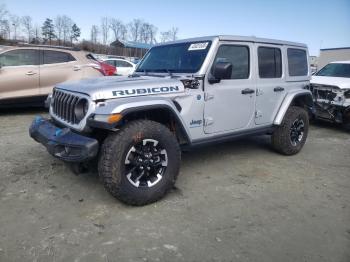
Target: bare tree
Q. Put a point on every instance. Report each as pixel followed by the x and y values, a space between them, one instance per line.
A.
pixel 37 33
pixel 5 29
pixel 27 26
pixel 123 32
pixel 135 28
pixel 104 29
pixel 94 34
pixel 59 24
pixel 170 35
pixel 15 24
pixel 67 24
pixel 173 33
pixel 117 27
pixel 148 33
pixel 4 23
pixel 3 12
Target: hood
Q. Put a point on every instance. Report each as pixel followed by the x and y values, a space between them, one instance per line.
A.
pixel 119 87
pixel 341 82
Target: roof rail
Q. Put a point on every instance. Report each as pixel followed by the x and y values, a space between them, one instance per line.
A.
pixel 74 48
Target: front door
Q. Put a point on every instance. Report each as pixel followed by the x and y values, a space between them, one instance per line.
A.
pixel 19 73
pixel 230 104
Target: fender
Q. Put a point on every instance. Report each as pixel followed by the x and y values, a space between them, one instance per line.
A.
pixel 136 104
pixel 289 99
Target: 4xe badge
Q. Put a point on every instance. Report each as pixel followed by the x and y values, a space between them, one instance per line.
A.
pixel 196 123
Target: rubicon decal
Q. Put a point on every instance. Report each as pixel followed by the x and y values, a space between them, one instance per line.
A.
pixel 146 91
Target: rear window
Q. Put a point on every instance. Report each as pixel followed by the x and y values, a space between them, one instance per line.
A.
pixel 122 63
pixel 55 57
pixel 270 62
pixel 297 62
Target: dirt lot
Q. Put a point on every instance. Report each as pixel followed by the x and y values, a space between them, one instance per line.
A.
pixel 237 201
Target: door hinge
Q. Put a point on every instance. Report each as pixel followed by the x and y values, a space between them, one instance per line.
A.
pixel 208 96
pixel 258 114
pixel 259 92
pixel 208 121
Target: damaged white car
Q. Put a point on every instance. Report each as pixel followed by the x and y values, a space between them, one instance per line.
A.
pixel 331 93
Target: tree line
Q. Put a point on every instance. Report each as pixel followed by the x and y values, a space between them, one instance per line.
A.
pixel 62 30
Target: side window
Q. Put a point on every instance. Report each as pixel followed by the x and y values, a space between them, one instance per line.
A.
pixel 118 63
pixel 54 57
pixel 20 57
pixel 125 64
pixel 297 62
pixel 270 62
pixel 110 62
pixel 238 56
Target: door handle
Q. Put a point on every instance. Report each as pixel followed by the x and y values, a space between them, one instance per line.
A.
pixel 76 68
pixel 247 91
pixel 278 89
pixel 30 73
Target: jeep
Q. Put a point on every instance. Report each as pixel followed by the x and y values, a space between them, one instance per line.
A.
pixel 183 94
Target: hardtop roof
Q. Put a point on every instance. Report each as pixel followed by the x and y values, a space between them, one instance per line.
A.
pixel 238 39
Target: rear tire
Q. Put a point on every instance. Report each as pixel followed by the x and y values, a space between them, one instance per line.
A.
pixel 290 136
pixel 139 164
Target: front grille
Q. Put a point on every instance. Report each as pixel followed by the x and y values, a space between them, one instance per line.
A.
pixel 63 106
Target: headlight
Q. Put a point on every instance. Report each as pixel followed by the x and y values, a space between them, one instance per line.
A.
pixel 81 108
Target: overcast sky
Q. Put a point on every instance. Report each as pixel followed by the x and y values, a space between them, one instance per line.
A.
pixel 319 24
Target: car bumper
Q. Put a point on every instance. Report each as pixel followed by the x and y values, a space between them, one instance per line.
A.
pixel 62 142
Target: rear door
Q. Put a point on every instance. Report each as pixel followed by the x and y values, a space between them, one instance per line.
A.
pixel 19 73
pixel 57 67
pixel 271 85
pixel 123 67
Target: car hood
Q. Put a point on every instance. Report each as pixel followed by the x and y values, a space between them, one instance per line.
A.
pixel 120 87
pixel 341 82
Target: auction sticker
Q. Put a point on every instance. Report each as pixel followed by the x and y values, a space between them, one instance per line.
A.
pixel 198 46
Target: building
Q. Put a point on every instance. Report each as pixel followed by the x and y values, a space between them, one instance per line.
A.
pixel 333 54
pixel 313 63
pixel 130 48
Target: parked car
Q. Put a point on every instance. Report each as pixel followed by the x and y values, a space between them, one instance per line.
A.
pixel 331 92
pixel 183 94
pixel 28 73
pixel 124 67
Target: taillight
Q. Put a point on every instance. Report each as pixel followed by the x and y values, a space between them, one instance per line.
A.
pixel 105 69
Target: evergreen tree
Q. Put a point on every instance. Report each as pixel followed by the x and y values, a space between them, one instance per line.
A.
pixel 75 33
pixel 48 30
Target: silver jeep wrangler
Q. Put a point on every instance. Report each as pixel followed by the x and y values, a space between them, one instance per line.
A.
pixel 183 94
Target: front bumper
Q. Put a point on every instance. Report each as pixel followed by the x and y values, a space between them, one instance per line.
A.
pixel 62 142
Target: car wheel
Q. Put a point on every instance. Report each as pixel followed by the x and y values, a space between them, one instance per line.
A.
pixel 139 164
pixel 290 136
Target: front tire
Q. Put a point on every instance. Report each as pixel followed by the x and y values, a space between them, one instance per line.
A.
pixel 140 164
pixel 290 136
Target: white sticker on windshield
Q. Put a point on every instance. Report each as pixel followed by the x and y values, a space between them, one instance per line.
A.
pixel 198 46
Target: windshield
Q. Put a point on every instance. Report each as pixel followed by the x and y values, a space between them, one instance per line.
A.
pixel 175 58
pixel 335 70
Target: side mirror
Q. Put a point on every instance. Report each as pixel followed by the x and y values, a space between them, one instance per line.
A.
pixel 221 70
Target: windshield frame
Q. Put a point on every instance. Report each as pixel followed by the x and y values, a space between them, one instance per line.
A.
pixel 330 64
pixel 170 71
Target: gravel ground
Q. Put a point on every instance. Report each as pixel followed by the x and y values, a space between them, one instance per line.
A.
pixel 237 201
